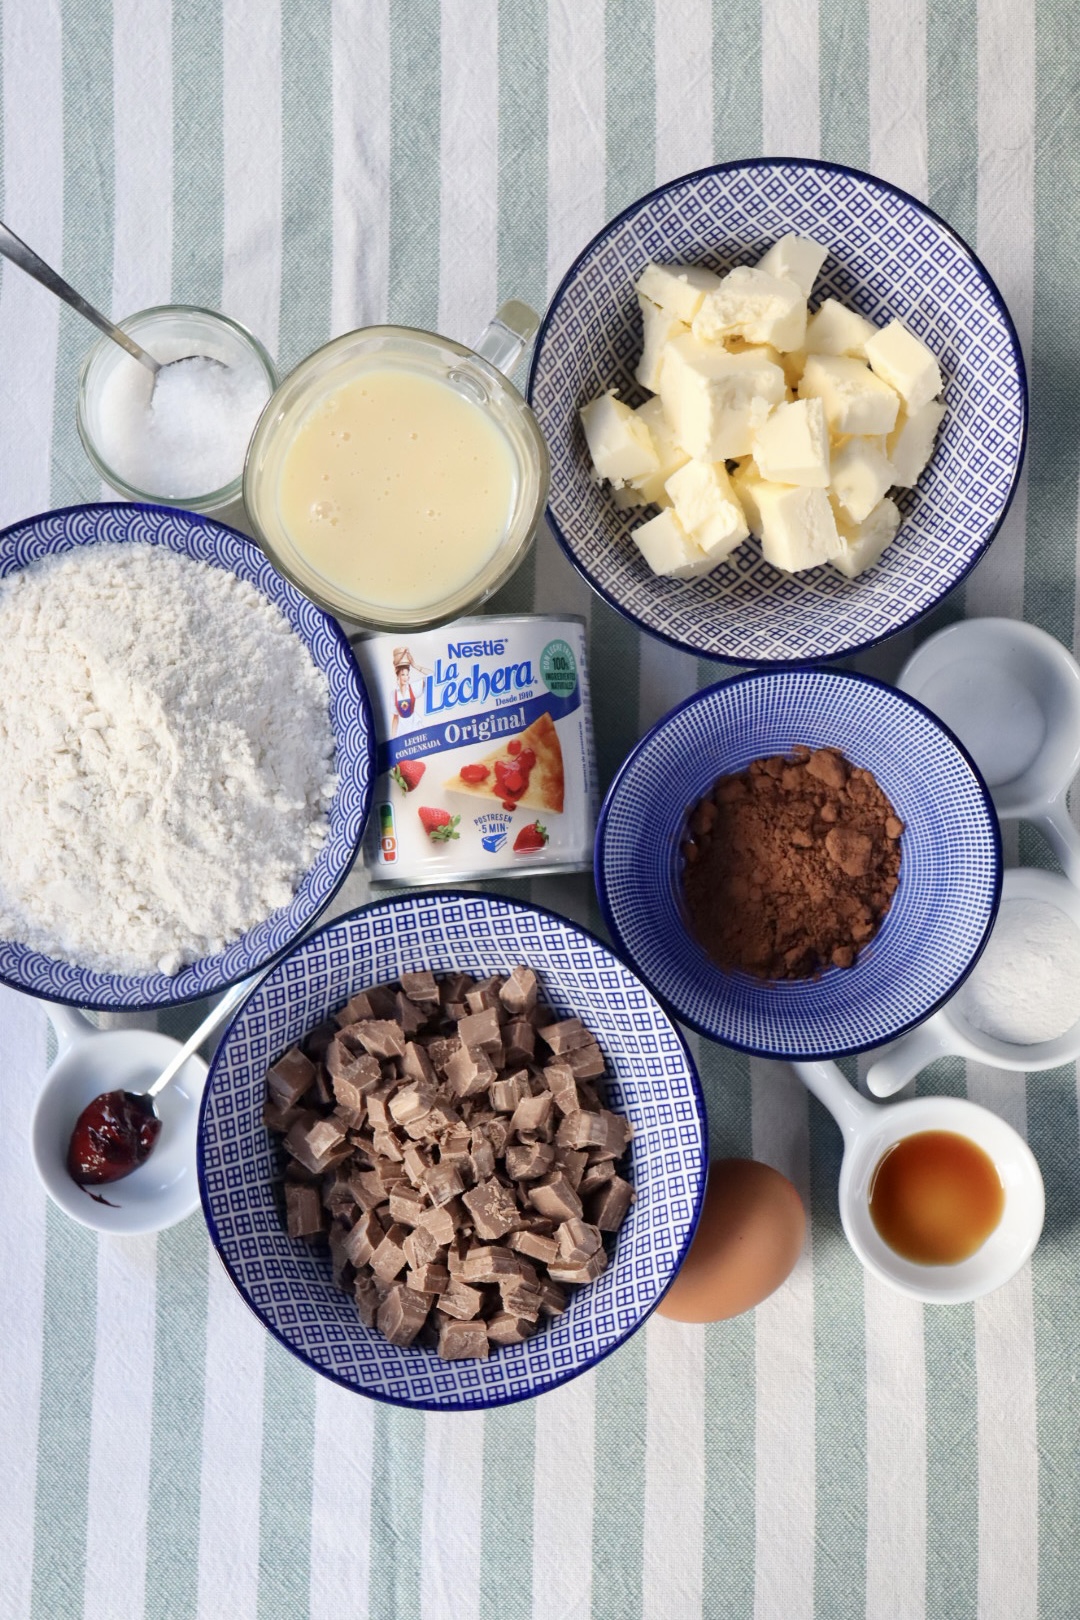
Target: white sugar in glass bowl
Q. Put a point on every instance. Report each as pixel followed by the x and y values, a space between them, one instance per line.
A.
pixel 888 255
pixel 205 417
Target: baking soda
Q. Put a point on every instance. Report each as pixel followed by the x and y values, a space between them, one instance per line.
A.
pixel 1026 985
pixel 166 758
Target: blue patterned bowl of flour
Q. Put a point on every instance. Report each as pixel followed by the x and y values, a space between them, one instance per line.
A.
pixel 950 873
pixel 888 256
pixel 652 1079
pixel 350 731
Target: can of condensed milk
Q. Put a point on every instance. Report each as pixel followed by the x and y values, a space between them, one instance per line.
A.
pixel 485 750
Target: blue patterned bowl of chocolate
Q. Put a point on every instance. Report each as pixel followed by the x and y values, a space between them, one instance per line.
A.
pixel 452 1151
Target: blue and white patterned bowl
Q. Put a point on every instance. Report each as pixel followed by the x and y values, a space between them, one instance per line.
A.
pixel 350 718
pixel 289 1286
pixel 888 255
pixel 950 874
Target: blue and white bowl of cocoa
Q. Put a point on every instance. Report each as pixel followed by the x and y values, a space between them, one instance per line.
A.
pixel 288 1282
pixel 889 255
pixel 949 882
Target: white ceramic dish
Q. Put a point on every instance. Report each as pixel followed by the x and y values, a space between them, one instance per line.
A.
pixel 89 1061
pixel 948 1033
pixel 1011 693
pixel 870 1130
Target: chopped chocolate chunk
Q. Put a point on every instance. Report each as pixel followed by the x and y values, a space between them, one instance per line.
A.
pixel 402 1314
pixel 304 1209
pixel 529 1161
pixel 573 1164
pixel 469 1071
pixel 552 1298
pixel 565 1036
pixel 519 1042
pixel 595 1177
pixel 544 1249
pixel 421 1248
pixel 382 1037
pixel 481 1031
pixel 317 1041
pixel 532 1121
pixel 518 994
pixel 587 1062
pixel 577 1241
pixel 460 1300
pixel 406 1013
pixel 279 1119
pixel 366 1294
pixel 387 1146
pixel 506 1094
pixel 462 1341
pixel 609 1206
pixel 358 1010
pixel 492 1207
pixel 389 1257
pixel 290 1077
pixel 417 1065
pixel 587 1271
pixel 443 1182
pixel 487 1262
pixel 421 988
pixel 483 995
pixel 378 1110
pixel 412 1103
pixel 482 1157
pixel 455 987
pixel 364 1238
pixel 430 1278
pixel 416 1160
pixel 407 1204
pixel 554 1196
pixel 439 1221
pixel 559 1078
pixel 505 1328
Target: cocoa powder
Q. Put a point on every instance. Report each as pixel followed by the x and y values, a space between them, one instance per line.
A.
pixel 791 865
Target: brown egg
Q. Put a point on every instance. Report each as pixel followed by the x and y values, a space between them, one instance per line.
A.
pixel 747 1242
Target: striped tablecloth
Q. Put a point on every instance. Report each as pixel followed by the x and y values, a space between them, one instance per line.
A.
pixel 313 165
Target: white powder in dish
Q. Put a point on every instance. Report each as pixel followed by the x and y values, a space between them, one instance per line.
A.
pixel 1026 985
pixel 166 758
pixel 185 432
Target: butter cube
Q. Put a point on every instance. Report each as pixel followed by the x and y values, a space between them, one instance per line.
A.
pixel 708 508
pixel 715 400
pixel 746 481
pixel 911 442
pixel 668 549
pixel 855 400
pixel 798 529
pixel 677 288
pixel 751 304
pixel 619 442
pixel 838 330
pixel 795 258
pixel 659 328
pixel 906 364
pixel 861 474
pixel 792 447
pixel 862 543
pixel 670 456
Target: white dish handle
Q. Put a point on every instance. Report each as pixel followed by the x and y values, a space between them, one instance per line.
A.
pixel 901 1060
pixel 1063 838
pixel 70 1025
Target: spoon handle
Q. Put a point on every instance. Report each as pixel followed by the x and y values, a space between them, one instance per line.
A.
pixel 213 1020
pixel 15 249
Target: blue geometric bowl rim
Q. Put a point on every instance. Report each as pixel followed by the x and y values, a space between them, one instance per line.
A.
pixel 676 1014
pixel 996 298
pixel 452 1405
pixel 336 632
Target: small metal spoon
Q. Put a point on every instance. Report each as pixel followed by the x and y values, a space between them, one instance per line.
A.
pixel 14 248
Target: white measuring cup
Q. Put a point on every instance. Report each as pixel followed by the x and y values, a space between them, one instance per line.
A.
pixel 165 1188
pixel 947 1033
pixel 870 1130
pixel 1011 693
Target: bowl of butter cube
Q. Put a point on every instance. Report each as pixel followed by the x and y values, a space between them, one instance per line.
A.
pixel 786 408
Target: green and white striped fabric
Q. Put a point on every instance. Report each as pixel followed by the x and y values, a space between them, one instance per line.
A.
pixel 313 165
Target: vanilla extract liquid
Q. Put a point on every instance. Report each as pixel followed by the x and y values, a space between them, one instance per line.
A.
pixel 935 1197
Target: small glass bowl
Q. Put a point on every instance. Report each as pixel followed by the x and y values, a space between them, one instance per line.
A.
pixel 186 329
pixel 472 373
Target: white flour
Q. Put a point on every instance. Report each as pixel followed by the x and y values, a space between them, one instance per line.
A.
pixel 166 758
pixel 1026 985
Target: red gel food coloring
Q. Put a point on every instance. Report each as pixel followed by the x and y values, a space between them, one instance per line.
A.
pixel 113 1136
